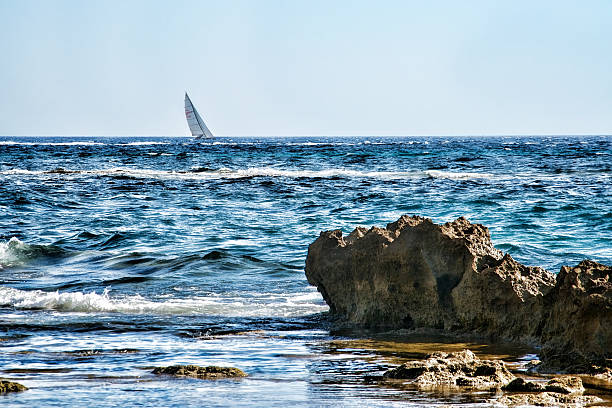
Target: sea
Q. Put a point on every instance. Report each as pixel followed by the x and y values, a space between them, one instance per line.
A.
pixel 121 254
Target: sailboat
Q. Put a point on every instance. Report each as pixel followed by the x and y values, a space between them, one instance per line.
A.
pixel 196 123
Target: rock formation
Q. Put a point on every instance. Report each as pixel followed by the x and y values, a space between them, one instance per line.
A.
pixel 561 385
pixel 464 370
pixel 414 273
pixel 203 373
pixel 9 386
pixel 460 369
pixel 578 330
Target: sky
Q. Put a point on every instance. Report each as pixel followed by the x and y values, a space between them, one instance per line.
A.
pixel 306 68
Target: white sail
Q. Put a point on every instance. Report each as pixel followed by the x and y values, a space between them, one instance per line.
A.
pixel 196 123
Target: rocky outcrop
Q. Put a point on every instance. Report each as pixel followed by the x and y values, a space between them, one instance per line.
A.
pixel 9 386
pixel 414 273
pixel 578 330
pixel 463 370
pixel 203 373
pixel 460 369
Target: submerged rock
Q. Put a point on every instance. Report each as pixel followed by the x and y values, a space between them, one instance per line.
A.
pixel 460 369
pixel 204 373
pixel 9 386
pixel 546 399
pixel 416 274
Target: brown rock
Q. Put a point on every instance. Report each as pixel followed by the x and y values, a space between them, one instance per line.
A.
pixel 9 386
pixel 522 385
pixel 578 331
pixel 204 373
pixel 416 274
pixel 460 369
pixel 561 385
pixel 545 399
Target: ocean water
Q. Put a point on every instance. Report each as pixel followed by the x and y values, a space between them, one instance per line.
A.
pixel 121 254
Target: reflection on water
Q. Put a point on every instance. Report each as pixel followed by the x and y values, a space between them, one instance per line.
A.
pixel 304 367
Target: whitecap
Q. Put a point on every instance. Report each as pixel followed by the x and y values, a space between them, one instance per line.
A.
pixel 239 305
pixel 226 173
pixel 457 175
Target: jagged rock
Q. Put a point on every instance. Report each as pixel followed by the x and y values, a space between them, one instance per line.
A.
pixel 460 369
pixel 416 274
pixel 561 385
pixel 578 331
pixel 204 373
pixel 545 399
pixel 9 386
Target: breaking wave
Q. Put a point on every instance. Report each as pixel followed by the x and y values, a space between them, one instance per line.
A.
pixel 225 173
pixel 246 305
pixel 80 143
pixel 457 175
pixel 16 253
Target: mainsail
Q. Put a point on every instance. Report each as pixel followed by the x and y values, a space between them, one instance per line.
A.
pixel 196 123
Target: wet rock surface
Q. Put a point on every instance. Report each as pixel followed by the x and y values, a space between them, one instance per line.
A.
pixel 9 386
pixel 578 331
pixel 417 274
pixel 460 369
pixel 561 385
pixel 203 373
pixel 547 399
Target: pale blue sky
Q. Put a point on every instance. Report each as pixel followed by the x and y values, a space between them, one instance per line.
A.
pixel 286 68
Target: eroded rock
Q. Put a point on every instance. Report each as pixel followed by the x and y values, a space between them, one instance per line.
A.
pixel 460 369
pixel 9 386
pixel 561 385
pixel 578 331
pixel 204 373
pixel 416 274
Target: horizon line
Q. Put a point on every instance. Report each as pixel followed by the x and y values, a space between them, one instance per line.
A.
pixel 343 135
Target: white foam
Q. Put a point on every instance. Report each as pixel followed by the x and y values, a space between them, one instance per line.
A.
pixel 81 143
pixel 457 175
pixel 248 304
pixel 225 173
pixel 140 143
pixel 10 252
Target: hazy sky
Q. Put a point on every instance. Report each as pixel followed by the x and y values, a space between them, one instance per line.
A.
pixel 306 67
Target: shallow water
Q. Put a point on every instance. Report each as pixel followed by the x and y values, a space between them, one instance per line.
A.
pixel 121 254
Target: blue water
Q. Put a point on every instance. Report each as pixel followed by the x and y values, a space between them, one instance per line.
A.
pixel 121 254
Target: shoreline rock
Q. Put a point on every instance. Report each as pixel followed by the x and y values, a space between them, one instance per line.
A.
pixel 546 399
pixel 466 372
pixel 202 373
pixel 450 277
pixel 460 369
pixel 560 385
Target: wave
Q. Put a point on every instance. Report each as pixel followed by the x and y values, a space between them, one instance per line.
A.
pixel 79 143
pixel 225 173
pixel 242 305
pixel 82 143
pixel 457 175
pixel 17 253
